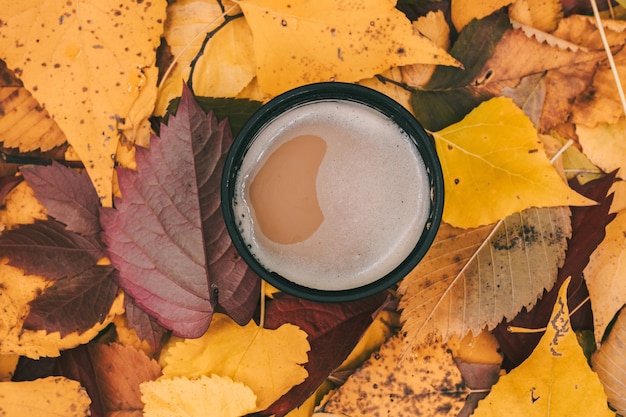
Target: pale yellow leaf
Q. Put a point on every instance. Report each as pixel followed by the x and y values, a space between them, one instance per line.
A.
pixel 554 381
pixel 214 396
pixel 463 11
pixel 605 145
pixel 267 361
pixel 389 87
pixel 474 278
pixel 541 14
pixel 609 361
pixel 618 189
pixel 605 274
pixel 494 165
pixel 47 397
pixel 301 42
pixel 425 383
pixel 89 63
pixel 227 65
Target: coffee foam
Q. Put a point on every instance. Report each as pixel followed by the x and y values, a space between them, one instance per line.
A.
pixel 372 187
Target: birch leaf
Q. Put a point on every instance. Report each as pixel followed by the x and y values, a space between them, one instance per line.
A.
pixel 610 364
pixel 604 145
pixel 470 279
pixel 605 273
pixel 214 396
pixel 554 381
pixel 47 397
pixel 267 361
pixel 303 42
pixel 91 64
pixel 494 153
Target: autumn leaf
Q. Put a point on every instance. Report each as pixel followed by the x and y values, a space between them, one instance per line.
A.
pixel 68 196
pixel 268 361
pixel 302 42
pixel 170 210
pixel 510 175
pixel 214 396
pixel 554 380
pixel 541 14
pixel 604 145
pixel 608 361
pixel 427 382
pixel 21 207
pixel 333 330
pixel 24 123
pixel 53 396
pixel 464 11
pixel 91 65
pixel 226 64
pixel 604 276
pixel 473 278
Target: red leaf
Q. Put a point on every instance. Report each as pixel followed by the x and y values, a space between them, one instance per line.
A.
pixel 333 329
pixel 145 325
pixel 588 225
pixel 74 304
pixel 46 248
pixel 68 196
pixel 7 184
pixel 167 236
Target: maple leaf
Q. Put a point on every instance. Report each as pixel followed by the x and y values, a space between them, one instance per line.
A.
pixel 554 380
pixel 167 236
pixel 327 40
pixel 47 248
pixel 333 331
pixel 80 63
pixel 68 196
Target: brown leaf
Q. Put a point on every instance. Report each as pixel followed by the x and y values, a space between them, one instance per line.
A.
pixel 119 370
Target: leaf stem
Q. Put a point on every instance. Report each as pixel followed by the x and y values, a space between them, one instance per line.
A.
pixel 609 55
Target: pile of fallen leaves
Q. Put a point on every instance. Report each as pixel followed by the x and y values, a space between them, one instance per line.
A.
pixel 121 293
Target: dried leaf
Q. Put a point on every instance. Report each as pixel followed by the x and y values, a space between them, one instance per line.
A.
pixel 48 397
pixel 610 364
pixel 510 175
pixel 214 396
pixel 604 275
pixel 604 145
pixel 541 14
pixel 79 62
pixel 425 383
pixel 74 303
pixel 300 43
pixel 470 279
pixel 170 210
pixel 47 248
pixel 554 380
pixel 268 361
pixel 464 11
pixel 119 372
pixel 24 123
pixel 68 196
pixel 227 64
pixel 333 331
pixel 529 95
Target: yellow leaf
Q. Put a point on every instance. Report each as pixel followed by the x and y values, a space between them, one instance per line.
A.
pixel 21 207
pixel 604 145
pixel 7 366
pixel 605 274
pixel 227 65
pixel 212 396
pixel 463 11
pixel 541 14
pixel 426 383
pixel 610 364
pixel 494 165
pixel 91 64
pixel 300 42
pixel 554 381
pixel 618 189
pixel 47 397
pixel 267 361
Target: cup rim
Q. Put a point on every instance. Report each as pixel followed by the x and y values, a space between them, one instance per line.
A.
pixel 334 91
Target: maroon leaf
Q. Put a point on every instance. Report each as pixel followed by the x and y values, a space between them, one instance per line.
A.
pixel 588 224
pixel 333 329
pixel 167 236
pixel 145 325
pixel 74 304
pixel 68 196
pixel 46 248
pixel 7 184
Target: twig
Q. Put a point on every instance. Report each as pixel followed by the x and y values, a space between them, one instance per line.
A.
pixel 609 55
